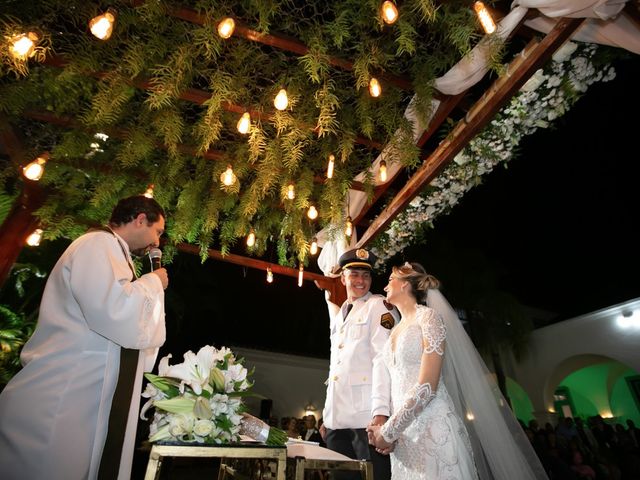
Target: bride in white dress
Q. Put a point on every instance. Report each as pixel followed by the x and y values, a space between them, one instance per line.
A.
pixel 449 419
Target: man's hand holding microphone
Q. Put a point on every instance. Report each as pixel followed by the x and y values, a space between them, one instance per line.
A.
pixel 155 255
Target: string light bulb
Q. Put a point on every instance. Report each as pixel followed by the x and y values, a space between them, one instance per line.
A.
pixel 251 238
pixel 312 213
pixel 33 240
pixel 35 170
pixel 244 124
pixel 484 17
pixel 269 275
pixel 226 27
pixel 149 191
pixel 348 227
pixel 281 102
pixel 228 177
pixel 330 166
pixel 102 26
pixel 291 191
pixel 23 45
pixel 314 246
pixel 375 89
pixel 389 12
pixel 383 171
pixel 300 275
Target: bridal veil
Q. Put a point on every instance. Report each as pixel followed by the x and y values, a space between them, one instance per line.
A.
pixel 501 449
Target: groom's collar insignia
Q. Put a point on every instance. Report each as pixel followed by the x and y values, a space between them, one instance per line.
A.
pixel 387 305
pixel 386 320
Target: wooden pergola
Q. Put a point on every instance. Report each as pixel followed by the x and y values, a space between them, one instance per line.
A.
pixel 478 111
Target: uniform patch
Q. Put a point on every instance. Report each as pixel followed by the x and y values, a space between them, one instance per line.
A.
pixel 386 320
pixel 387 305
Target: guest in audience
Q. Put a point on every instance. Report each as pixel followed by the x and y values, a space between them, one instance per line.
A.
pixel 293 429
pixel 311 433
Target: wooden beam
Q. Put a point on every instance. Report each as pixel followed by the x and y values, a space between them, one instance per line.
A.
pixel 283 43
pixel 535 54
pixel 20 222
pixel 253 263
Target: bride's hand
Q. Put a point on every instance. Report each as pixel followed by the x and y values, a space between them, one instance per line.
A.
pixel 377 440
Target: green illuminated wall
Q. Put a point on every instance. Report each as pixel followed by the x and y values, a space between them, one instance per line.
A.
pixel 603 390
pixel 520 403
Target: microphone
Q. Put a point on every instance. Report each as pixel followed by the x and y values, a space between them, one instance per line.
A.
pixel 155 254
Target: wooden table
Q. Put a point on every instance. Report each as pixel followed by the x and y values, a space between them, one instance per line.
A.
pixel 258 451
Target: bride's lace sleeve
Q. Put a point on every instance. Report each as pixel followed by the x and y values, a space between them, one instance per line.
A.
pixel 433 342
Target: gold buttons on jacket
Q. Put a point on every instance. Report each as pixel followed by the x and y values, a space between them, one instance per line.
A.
pixel 341 345
pixel 335 378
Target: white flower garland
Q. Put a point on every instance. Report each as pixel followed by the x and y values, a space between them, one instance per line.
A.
pixel 547 95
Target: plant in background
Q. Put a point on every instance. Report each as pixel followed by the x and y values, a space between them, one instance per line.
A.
pixel 200 401
pixel 15 330
pixel 548 95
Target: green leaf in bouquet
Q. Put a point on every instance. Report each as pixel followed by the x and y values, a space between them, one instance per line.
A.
pixel 176 405
pixel 168 386
pixel 223 422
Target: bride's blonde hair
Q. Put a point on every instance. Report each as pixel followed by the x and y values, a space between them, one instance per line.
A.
pixel 419 280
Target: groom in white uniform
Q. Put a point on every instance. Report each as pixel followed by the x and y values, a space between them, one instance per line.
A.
pixel 95 319
pixel 358 333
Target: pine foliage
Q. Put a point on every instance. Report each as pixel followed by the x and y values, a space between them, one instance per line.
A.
pixel 168 93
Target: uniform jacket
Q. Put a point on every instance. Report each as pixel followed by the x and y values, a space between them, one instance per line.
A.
pixel 54 412
pixel 352 396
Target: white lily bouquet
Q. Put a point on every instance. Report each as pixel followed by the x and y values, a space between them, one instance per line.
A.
pixel 200 401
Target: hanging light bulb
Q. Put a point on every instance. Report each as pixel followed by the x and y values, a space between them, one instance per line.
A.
pixel 314 246
pixel 33 240
pixel 348 227
pixel 484 17
pixel 389 12
pixel 251 239
pixel 375 89
pixel 291 191
pixel 35 169
pixel 330 166
pixel 383 171
pixel 149 192
pixel 300 275
pixel 244 124
pixel 312 213
pixel 22 46
pixel 269 275
pixel 282 100
pixel 226 27
pixel 102 26
pixel 228 177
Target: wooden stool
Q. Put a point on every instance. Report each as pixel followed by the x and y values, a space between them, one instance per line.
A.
pixel 302 464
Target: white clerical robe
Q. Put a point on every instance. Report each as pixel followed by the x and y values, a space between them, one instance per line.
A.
pixel 54 412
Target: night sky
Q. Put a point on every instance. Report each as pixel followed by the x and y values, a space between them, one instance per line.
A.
pixel 559 223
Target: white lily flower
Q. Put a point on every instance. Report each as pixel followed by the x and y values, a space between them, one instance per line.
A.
pixel 194 371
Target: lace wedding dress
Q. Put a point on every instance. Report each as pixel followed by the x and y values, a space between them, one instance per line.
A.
pixel 432 442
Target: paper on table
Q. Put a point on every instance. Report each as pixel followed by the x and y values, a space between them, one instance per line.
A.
pixel 313 451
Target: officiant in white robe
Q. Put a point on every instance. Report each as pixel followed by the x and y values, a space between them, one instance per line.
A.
pixel 54 414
